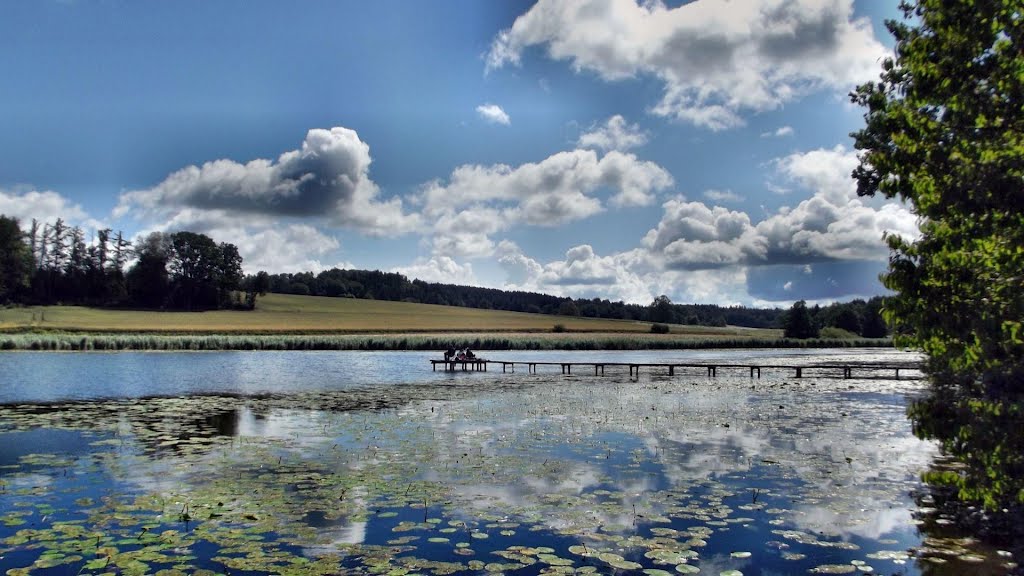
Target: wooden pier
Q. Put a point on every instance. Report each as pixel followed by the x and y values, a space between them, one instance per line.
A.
pixel 819 370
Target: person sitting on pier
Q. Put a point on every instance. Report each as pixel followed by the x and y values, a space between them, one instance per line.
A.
pixel 449 354
pixel 470 355
pixel 461 355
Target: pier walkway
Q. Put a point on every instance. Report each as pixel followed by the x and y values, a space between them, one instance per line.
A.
pixel 819 370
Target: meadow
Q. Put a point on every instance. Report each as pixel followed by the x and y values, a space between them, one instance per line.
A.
pixel 289 314
pixel 286 322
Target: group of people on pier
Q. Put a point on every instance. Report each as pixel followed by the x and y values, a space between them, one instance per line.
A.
pixel 459 355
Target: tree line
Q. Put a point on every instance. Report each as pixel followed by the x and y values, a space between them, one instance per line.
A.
pixel 55 264
pixel 859 317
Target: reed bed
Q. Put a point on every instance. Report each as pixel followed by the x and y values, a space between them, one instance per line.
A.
pixel 526 341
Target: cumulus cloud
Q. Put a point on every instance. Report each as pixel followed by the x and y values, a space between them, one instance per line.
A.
pixel 296 248
pixel 826 171
pixel 833 224
pixel 441 269
pixel 582 274
pixel 45 206
pixel 328 177
pixel 692 235
pixel 493 113
pixel 614 134
pixel 715 58
pixel 478 201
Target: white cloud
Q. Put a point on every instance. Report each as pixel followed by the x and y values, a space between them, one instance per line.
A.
pixel 582 274
pixel 478 201
pixel 779 132
pixel 45 206
pixel 328 177
pixel 440 269
pixel 693 236
pixel 716 58
pixel 296 248
pixel 723 196
pixel 788 286
pixel 614 134
pixel 833 224
pixel 826 171
pixel 493 114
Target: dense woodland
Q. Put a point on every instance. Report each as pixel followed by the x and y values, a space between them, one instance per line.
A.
pixel 55 264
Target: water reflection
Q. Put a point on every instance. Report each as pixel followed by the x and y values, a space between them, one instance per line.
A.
pixel 769 476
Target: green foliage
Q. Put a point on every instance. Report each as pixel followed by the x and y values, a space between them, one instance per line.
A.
pixel 659 329
pixel 15 260
pixel 662 310
pixel 833 333
pixel 945 132
pixel 558 328
pixel 798 323
pixel 568 308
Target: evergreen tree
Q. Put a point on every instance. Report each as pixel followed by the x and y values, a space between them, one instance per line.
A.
pixel 15 260
pixel 798 323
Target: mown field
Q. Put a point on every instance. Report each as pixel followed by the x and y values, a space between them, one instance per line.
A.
pixel 287 314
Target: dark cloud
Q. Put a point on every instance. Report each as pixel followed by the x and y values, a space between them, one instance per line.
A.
pixel 327 177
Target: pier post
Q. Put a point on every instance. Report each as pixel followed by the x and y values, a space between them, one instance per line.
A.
pixel 897 373
pixel 671 370
pixel 799 372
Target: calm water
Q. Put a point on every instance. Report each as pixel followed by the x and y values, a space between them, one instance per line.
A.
pixel 350 462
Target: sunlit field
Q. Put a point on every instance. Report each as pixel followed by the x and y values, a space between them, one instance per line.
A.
pixel 280 313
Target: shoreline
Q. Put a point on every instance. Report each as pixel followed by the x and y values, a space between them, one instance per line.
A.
pixel 117 341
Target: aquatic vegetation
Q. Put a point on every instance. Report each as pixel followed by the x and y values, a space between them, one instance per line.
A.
pixel 503 474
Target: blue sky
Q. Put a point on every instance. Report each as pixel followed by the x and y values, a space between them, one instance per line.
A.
pixel 601 148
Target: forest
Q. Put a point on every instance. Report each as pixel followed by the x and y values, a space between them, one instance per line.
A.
pixel 49 264
pixel 54 264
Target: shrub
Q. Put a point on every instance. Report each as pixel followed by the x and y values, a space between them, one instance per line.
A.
pixel 559 328
pixel 659 328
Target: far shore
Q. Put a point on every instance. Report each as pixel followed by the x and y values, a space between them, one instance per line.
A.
pixel 114 341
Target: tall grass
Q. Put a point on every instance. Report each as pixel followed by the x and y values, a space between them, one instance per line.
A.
pixel 563 341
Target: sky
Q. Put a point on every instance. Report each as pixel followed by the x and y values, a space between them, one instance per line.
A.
pixel 585 148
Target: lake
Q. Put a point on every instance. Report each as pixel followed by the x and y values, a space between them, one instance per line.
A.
pixel 369 462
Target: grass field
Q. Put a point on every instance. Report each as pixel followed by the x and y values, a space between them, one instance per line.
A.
pixel 287 314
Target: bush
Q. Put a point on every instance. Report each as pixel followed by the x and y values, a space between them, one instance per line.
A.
pixel 559 328
pixel 659 328
pixel 834 333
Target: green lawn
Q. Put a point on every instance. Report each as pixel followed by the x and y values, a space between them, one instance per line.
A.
pixel 280 313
